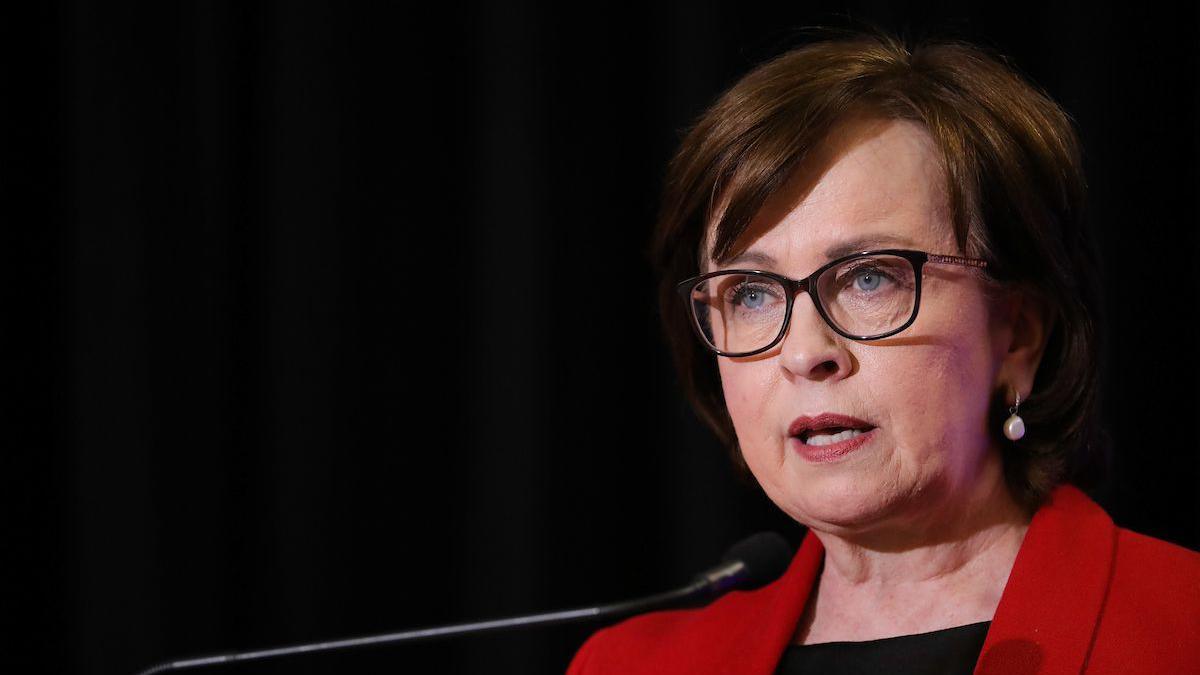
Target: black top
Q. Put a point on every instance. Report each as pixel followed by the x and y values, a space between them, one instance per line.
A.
pixel 952 651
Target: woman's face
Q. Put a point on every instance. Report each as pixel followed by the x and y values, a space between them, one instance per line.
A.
pixel 926 390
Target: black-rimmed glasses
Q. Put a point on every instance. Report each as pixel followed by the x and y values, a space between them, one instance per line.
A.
pixel 863 296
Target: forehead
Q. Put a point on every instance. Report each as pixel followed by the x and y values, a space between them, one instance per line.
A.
pixel 871 179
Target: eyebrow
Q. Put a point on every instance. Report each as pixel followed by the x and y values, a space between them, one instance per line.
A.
pixel 753 258
pixel 844 248
pixel 866 243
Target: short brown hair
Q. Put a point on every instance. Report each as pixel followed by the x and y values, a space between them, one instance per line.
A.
pixel 1016 189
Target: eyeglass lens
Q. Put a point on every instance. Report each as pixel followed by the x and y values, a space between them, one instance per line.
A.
pixel 864 296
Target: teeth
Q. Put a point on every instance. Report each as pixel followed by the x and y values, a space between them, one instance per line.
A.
pixel 819 438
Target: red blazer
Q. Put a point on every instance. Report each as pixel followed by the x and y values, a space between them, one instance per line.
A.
pixel 1083 596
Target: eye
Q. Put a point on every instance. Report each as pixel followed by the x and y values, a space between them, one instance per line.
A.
pixel 750 297
pixel 753 295
pixel 869 276
pixel 868 280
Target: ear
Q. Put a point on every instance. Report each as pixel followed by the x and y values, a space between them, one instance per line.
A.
pixel 1023 326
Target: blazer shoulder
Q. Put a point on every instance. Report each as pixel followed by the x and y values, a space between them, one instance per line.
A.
pixel 621 646
pixel 1151 614
pixel 1137 548
pixel 1154 572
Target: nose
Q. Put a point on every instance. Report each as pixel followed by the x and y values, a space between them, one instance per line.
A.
pixel 811 349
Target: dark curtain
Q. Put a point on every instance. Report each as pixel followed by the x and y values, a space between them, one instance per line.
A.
pixel 336 318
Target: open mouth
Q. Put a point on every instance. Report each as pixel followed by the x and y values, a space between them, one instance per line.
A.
pixel 827 428
pixel 831 435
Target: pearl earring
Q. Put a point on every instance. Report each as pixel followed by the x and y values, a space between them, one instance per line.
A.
pixel 1014 426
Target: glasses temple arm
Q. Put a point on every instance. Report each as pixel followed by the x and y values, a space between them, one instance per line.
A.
pixel 957 260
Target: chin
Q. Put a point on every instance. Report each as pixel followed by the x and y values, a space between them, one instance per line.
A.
pixel 835 516
pixel 841 501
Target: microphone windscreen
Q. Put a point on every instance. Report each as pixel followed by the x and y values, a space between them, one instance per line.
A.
pixel 766 556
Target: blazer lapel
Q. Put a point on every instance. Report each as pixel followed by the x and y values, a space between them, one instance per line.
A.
pixel 760 631
pixel 1051 604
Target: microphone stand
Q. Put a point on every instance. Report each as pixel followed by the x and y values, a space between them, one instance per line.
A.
pixel 708 584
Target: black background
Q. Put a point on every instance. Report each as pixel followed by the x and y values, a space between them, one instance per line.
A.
pixel 336 318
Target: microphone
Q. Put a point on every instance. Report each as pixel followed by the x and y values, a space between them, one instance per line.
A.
pixel 751 563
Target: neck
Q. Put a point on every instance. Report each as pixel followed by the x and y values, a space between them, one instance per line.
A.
pixel 947 567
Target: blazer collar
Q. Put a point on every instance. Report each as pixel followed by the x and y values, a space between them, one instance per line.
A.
pixel 1051 605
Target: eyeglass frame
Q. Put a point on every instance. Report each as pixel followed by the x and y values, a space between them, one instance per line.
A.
pixel 917 259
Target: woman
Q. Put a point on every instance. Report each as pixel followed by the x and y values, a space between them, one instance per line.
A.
pixel 881 291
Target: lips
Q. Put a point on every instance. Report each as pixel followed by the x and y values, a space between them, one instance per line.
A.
pixel 803 426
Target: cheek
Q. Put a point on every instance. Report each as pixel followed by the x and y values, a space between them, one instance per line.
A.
pixel 748 387
pixel 938 397
pixel 948 379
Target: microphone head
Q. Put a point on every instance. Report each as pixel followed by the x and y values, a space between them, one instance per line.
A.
pixel 765 557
